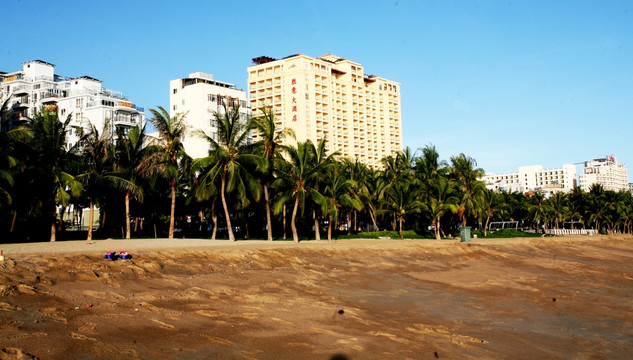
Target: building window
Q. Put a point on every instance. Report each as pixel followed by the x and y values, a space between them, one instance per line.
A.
pixel 174 107
pixel 175 91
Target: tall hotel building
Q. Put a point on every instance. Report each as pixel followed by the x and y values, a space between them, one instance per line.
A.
pixel 330 98
pixel 37 86
pixel 199 96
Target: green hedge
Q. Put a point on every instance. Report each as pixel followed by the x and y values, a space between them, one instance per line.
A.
pixel 506 233
pixel 407 234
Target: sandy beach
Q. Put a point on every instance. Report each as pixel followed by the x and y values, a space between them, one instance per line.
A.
pixel 538 298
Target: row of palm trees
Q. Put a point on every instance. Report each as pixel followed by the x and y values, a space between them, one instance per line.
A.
pixel 133 178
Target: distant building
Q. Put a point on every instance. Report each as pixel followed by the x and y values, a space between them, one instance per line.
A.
pixel 330 98
pixel 37 86
pixel 606 172
pixel 534 178
pixel 199 96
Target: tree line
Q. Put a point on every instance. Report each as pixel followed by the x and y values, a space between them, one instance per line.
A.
pixel 147 186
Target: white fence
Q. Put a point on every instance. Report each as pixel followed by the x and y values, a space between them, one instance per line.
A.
pixel 572 231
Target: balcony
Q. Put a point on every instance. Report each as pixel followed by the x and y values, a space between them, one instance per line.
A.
pixel 126 119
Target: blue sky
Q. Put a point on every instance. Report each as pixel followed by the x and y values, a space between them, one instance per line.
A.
pixel 508 83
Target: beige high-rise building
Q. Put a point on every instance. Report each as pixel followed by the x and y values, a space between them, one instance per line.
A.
pixel 330 98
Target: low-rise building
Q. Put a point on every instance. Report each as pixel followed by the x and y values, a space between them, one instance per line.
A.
pixel 83 98
pixel 534 178
pixel 606 172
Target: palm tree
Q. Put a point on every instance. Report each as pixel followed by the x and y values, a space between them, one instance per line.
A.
pixel 338 193
pixel 10 143
pixel 372 193
pixel 229 160
pixel 442 200
pixel 268 147
pixel 357 172
pixel 402 199
pixel 537 207
pixel 171 131
pixel 491 203
pixel 597 205
pixel 52 159
pixel 467 175
pixel 98 155
pixel 558 204
pixel 575 204
pixel 134 158
pixel 428 167
pixel 306 163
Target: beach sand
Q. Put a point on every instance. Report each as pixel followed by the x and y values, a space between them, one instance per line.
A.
pixel 540 298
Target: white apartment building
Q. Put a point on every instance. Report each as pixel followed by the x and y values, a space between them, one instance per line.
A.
pixel 330 98
pixel 200 96
pixel 534 178
pixel 37 86
pixel 606 172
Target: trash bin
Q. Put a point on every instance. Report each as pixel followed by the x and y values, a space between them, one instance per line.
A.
pixel 464 233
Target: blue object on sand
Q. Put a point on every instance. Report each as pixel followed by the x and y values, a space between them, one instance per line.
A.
pixel 109 255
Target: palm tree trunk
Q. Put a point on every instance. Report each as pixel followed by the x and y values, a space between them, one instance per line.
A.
pixel 317 230
pixel 295 236
pixel 329 228
pixel 127 215
pixel 373 220
pixel 355 222
pixel 214 219
pixel 284 221
pixel 437 228
pixel 15 216
pixel 486 227
pixel 400 228
pixel 60 226
pixel 226 210
pixel 173 209
pixel 53 226
pixel 91 218
pixel 269 226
